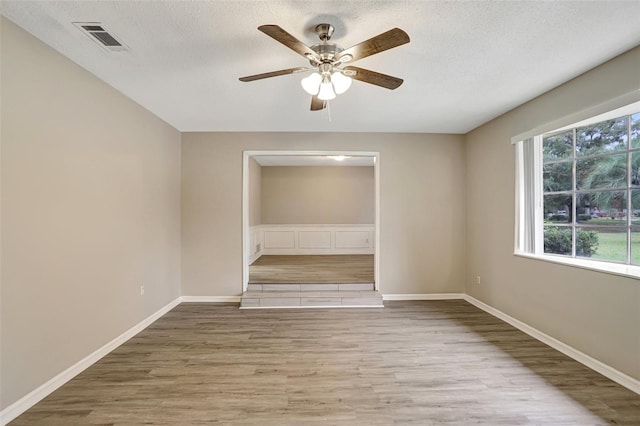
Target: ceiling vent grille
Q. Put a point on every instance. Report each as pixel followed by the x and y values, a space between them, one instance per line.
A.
pixel 96 32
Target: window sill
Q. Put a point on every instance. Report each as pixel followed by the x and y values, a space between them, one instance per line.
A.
pixel 629 271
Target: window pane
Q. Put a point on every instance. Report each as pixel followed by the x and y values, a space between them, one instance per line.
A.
pixel 635 207
pixel 602 243
pixel 557 208
pixel 606 136
pixel 558 147
pixel 635 245
pixel 606 208
pixel 635 130
pixel 557 240
pixel 558 176
pixel 606 172
pixel 635 169
pixel 586 208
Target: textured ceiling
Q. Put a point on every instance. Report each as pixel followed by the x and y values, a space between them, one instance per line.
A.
pixel 467 62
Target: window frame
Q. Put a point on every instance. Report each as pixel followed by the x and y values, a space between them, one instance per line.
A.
pixel 537 252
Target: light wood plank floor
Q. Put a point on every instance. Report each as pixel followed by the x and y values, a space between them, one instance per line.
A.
pixel 425 363
pixel 351 268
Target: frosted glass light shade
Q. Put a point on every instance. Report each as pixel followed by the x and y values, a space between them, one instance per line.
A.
pixel 341 82
pixel 326 92
pixel 311 84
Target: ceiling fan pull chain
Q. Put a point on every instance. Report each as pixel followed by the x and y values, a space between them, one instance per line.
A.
pixel 329 110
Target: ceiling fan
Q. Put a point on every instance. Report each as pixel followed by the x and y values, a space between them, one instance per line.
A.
pixel 330 75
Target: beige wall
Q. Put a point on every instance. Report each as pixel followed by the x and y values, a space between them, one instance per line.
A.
pixel 596 313
pixel 255 192
pixel 90 211
pixel 317 195
pixel 421 194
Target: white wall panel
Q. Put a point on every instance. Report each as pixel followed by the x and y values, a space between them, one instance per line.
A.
pixel 279 240
pixel 314 239
pixel 352 239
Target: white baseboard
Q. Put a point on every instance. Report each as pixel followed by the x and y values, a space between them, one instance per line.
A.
pixel 254 257
pixel 35 396
pixel 426 296
pixel 210 299
pixel 607 371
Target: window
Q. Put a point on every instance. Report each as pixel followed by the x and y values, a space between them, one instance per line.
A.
pixel 579 191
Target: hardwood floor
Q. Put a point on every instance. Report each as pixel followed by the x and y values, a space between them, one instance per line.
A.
pixel 436 362
pixel 354 268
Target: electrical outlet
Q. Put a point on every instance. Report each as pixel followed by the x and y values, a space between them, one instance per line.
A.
pixel 141 290
pixel 478 279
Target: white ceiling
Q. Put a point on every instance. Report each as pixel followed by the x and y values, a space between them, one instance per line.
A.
pixel 467 62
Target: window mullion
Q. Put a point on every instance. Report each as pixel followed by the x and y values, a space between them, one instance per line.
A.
pixel 574 207
pixel 539 198
pixel 629 201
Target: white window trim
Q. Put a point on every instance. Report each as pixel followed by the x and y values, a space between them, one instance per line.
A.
pixel 625 270
pixel 538 194
pixel 520 231
pixel 629 271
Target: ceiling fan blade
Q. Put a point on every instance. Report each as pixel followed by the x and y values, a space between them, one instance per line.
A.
pixel 273 74
pixel 317 104
pixel 380 43
pixel 376 78
pixel 278 34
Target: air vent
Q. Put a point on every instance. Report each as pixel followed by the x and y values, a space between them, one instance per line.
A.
pixel 96 32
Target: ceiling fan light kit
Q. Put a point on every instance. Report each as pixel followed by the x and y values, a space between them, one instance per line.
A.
pixel 326 85
pixel 330 76
pixel 341 82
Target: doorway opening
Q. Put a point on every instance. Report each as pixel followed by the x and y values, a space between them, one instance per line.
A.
pixel 286 238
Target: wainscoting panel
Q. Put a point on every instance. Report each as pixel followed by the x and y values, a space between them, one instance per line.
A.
pixel 314 239
pixel 352 239
pixel 310 239
pixel 276 239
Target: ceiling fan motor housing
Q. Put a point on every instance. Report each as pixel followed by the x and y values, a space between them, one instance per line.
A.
pixel 324 31
pixel 327 52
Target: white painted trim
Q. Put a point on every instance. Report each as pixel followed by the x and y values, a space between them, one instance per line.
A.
pixel 313 252
pixel 35 396
pixel 246 233
pixel 289 239
pixel 600 367
pixel 424 296
pixel 312 307
pixel 210 299
pixel 622 270
pixel 376 224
